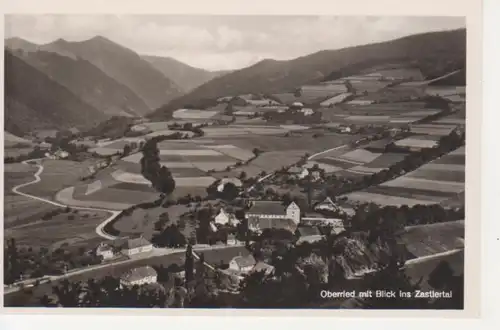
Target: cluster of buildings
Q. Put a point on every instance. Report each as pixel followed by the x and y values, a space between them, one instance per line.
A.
pixel 263 215
pixel 123 247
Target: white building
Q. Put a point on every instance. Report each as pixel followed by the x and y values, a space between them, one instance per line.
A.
pixel 225 218
pixel 231 240
pixel 105 251
pixel 242 264
pixel 139 276
pixel 327 205
pixel 136 245
pixel 273 214
pixel 298 172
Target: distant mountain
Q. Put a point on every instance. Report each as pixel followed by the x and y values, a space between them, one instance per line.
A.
pixel 123 65
pixel 87 82
pixel 185 76
pixel 18 43
pixel 434 53
pixel 34 101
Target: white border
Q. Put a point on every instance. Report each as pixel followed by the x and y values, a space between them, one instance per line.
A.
pixel 469 8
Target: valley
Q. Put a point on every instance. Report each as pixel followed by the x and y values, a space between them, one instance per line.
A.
pixel 113 165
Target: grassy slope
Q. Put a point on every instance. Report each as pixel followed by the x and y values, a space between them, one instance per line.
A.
pixel 33 100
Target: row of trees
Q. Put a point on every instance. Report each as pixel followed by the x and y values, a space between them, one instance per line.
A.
pixel 159 176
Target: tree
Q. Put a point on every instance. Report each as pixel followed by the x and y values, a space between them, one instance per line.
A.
pixel 126 150
pixel 189 265
pixel 243 175
pixel 230 191
pixel 165 183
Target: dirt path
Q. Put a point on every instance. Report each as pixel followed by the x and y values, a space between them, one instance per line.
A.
pixel 99 228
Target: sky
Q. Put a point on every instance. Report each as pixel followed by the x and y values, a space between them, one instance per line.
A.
pixel 225 42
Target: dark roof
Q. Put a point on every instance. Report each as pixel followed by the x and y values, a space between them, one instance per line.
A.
pixel 244 261
pixel 267 207
pixel 261 224
pixel 138 273
pixel 308 231
pixel 136 243
pixel 262 266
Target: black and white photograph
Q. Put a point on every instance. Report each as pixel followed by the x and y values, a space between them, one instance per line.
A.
pixel 234 161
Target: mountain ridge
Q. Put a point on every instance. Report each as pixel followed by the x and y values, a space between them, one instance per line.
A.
pixel 434 52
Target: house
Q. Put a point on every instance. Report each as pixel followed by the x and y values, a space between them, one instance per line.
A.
pixel 327 205
pixel 139 276
pixel 308 234
pixel 45 146
pixel 49 155
pixel 262 267
pixel 225 218
pixel 136 245
pixel 242 264
pixel 273 214
pixel 307 111
pixel 297 105
pixel 298 172
pixel 231 240
pixel 345 129
pixel 61 154
pixel 106 251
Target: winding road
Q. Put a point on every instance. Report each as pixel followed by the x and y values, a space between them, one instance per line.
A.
pixel 99 229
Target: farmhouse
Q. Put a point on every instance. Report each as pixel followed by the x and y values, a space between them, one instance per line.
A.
pixel 105 251
pixel 225 218
pixel 262 267
pixel 298 172
pixel 273 214
pixel 139 276
pixel 327 205
pixel 136 245
pixel 242 264
pixel 307 111
pixel 308 234
pixel 231 240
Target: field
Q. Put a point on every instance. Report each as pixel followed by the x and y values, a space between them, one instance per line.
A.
pixel 75 229
pixel 440 180
pixel 18 209
pixel 142 221
pixel 56 175
pixel 349 162
pixel 384 113
pixel 424 240
pixel 432 129
pixel 188 114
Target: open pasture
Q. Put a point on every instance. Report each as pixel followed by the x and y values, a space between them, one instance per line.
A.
pixel 425 240
pixel 417 142
pixel 56 175
pixel 360 155
pixel 367 197
pixel 273 160
pixel 75 229
pixel 112 198
pixel 187 114
pixel 386 160
pixel 432 129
